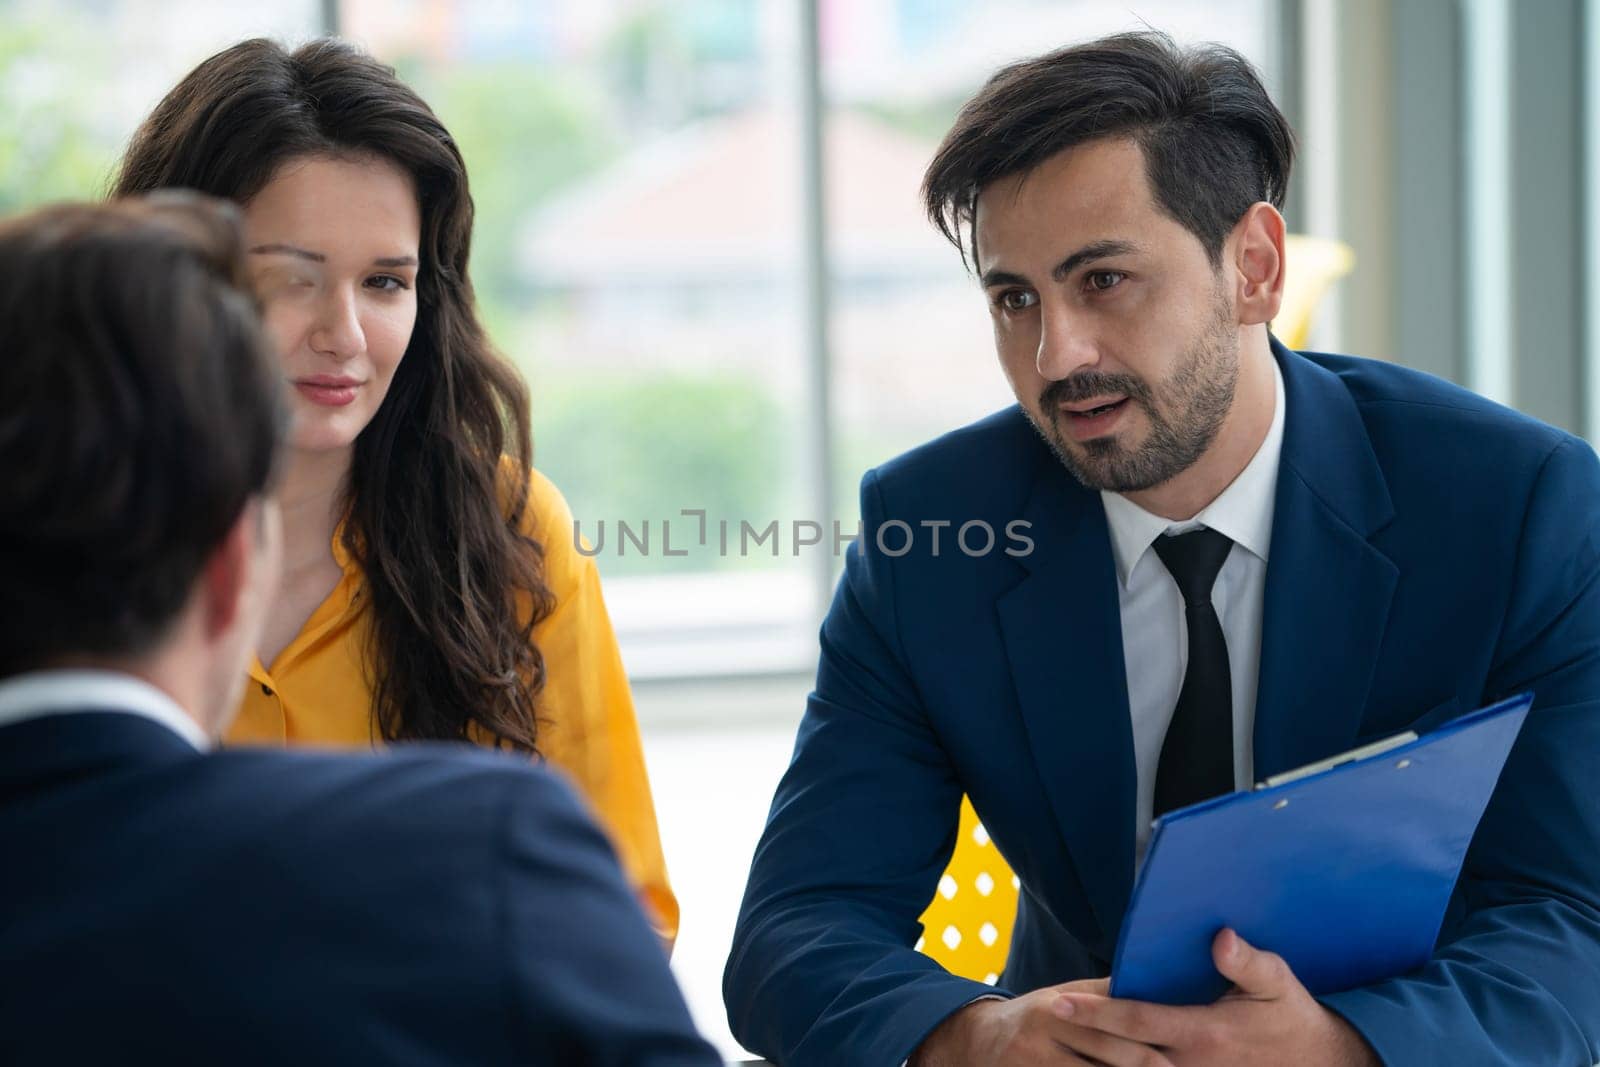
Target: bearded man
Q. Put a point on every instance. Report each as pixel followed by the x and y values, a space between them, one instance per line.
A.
pixel 1243 559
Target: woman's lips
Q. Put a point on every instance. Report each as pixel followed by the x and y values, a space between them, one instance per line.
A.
pixel 329 392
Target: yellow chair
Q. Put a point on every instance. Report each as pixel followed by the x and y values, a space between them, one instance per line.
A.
pixel 967 926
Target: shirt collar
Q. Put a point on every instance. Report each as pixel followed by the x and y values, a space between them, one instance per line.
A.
pixel 1242 512
pixel 40 693
pixel 341 555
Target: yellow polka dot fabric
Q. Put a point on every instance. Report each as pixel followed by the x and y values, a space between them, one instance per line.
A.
pixel 967 927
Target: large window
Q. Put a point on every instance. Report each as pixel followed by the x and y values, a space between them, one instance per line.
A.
pixel 641 250
pixel 634 167
pixel 642 183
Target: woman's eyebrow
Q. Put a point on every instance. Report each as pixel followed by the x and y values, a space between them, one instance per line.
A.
pixel 281 249
pixel 288 250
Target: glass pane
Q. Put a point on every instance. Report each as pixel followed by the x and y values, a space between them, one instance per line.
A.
pixel 77 78
pixel 635 168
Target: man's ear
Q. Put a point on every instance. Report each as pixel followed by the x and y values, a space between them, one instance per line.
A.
pixel 225 578
pixel 1258 264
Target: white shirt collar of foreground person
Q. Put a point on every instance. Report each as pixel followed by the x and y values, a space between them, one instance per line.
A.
pixel 1154 639
pixel 64 692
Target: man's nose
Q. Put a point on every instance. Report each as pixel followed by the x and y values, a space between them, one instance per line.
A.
pixel 1065 345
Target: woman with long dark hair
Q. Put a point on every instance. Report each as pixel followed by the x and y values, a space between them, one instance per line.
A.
pixel 431 588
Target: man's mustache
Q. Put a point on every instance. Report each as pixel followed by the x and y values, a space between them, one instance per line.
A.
pixel 1090 384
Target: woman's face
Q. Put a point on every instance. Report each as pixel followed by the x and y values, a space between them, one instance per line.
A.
pixel 333 257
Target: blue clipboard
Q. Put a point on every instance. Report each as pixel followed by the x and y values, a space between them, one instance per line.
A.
pixel 1345 873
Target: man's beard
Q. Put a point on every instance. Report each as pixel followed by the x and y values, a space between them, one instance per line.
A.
pixel 1198 395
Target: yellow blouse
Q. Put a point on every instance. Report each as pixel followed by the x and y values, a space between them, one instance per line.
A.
pixel 317 692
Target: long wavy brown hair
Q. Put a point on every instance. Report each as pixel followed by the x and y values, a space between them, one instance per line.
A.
pixel 433 512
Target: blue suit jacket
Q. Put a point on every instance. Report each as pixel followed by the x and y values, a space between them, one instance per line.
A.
pixel 1431 552
pixel 429 906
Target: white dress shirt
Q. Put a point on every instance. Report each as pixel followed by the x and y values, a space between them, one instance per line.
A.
pixel 40 693
pixel 1155 639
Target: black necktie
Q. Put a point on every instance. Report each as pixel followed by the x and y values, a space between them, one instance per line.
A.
pixel 1197 756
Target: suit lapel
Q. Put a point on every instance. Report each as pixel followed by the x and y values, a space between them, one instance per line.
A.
pixel 1328 589
pixel 1063 638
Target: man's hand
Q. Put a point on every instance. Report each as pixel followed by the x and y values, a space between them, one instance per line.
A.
pixel 1268 1019
pixel 1027 1032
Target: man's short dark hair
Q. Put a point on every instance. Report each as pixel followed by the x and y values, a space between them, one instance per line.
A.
pixel 1213 141
pixel 140 411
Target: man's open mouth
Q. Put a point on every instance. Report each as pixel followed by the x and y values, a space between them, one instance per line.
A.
pixel 1090 413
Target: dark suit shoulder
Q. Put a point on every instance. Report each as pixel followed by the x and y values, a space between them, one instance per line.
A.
pixel 424 828
pixel 984 467
pixel 449 799
pixel 1437 415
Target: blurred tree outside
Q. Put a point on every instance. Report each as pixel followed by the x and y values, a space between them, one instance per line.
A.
pixel 619 444
pixel 929 120
pixel 51 146
pixel 636 448
pixel 525 132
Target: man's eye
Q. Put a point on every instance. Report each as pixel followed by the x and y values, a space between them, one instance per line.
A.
pixel 1101 280
pixel 1017 299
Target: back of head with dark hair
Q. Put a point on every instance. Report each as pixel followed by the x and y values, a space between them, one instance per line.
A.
pixel 1213 141
pixel 140 410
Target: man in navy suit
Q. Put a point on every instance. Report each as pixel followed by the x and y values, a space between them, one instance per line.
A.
pixel 164 904
pixel 1217 560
